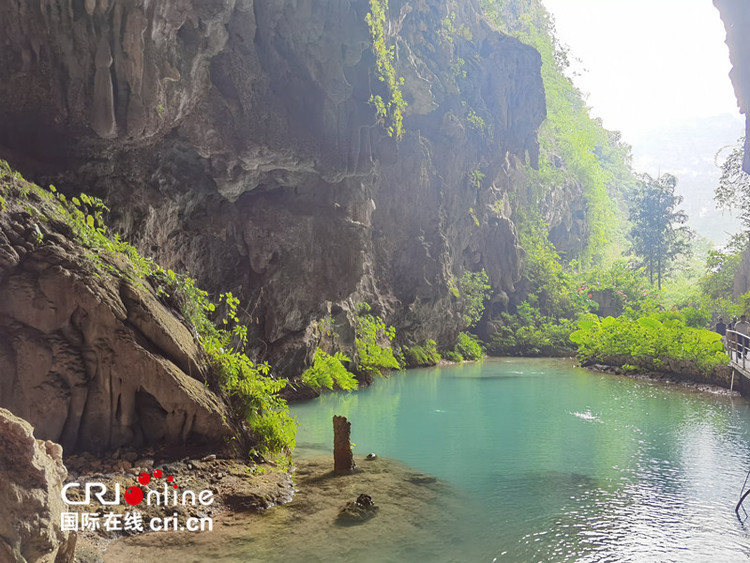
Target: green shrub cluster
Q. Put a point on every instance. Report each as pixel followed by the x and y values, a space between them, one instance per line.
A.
pixel 373 341
pixel 657 342
pixel 474 289
pixel 453 356
pixel 328 372
pixel 529 333
pixel 426 355
pixel 468 347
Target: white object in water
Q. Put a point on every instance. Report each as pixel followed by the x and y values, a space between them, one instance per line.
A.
pixel 586 415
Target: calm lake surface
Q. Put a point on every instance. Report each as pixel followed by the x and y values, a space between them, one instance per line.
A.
pixel 549 462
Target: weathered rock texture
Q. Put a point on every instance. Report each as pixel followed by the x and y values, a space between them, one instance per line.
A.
pixel 235 140
pixel 32 475
pixel 91 360
pixel 736 17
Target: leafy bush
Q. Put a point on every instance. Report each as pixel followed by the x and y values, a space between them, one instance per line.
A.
pixel 468 347
pixel 657 342
pixel 328 371
pixel 373 343
pixel 452 356
pixel 617 287
pixel 426 355
pixel 529 333
pixel 696 318
pixel 474 288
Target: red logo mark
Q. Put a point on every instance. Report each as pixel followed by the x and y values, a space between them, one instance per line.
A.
pixel 134 495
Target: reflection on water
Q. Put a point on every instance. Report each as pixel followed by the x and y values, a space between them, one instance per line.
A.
pixel 536 461
pixel 560 464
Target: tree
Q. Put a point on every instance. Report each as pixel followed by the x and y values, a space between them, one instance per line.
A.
pixel 733 192
pixel 475 288
pixel 659 233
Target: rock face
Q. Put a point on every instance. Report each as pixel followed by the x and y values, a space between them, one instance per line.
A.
pixel 736 17
pixel 92 360
pixel 236 140
pixel 32 474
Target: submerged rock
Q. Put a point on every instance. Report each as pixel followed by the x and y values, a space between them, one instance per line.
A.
pixel 357 511
pixel 421 479
pixel 32 475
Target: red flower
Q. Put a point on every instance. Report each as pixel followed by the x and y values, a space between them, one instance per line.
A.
pixel 590 296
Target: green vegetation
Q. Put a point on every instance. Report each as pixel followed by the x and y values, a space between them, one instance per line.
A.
pixel 476 122
pixel 373 343
pixel 389 112
pixel 476 177
pixel 251 389
pixel 657 342
pixel 733 191
pixel 458 68
pixel 474 217
pixel 426 355
pixel 658 229
pixel 475 289
pixel 530 333
pixel 468 347
pixel 576 152
pixel 452 356
pixel 574 148
pixel 328 371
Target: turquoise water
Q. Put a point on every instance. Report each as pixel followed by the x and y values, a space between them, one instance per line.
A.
pixel 555 463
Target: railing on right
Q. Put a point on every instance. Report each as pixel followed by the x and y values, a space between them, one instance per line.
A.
pixel 737 346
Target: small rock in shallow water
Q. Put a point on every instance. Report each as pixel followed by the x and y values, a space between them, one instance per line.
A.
pixel 358 511
pixel 420 479
pixel 371 456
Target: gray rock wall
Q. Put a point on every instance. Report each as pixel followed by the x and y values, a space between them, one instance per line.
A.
pixel 736 17
pixel 235 140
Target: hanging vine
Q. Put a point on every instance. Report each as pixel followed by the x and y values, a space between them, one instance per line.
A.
pixel 389 112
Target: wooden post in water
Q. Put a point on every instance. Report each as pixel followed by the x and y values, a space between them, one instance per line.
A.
pixel 343 460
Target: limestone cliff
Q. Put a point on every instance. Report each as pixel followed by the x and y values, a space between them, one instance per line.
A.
pixel 736 17
pixel 88 355
pixel 235 139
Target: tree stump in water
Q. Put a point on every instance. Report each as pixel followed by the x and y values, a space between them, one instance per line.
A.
pixel 343 460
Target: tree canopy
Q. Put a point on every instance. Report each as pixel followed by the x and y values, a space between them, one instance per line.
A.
pixel 658 233
pixel 733 192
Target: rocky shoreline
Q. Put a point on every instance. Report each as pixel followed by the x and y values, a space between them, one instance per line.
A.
pixel 235 487
pixel 318 523
pixel 716 387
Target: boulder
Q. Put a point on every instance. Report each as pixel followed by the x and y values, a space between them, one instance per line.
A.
pixel 32 474
pixel 357 511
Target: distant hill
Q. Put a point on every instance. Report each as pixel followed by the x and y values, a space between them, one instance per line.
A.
pixel 687 149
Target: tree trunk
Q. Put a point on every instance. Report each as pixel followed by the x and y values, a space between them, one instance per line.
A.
pixel 658 273
pixel 343 460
